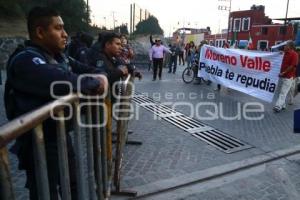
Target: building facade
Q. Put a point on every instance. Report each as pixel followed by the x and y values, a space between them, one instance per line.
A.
pixel 253 24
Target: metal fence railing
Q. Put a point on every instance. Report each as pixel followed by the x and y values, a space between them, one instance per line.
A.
pixel 97 182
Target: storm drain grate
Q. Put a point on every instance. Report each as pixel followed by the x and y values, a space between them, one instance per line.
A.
pixel 210 135
pixel 143 100
pixel 221 141
pixel 161 110
pixel 185 123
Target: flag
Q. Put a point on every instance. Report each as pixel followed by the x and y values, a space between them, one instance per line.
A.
pixel 250 43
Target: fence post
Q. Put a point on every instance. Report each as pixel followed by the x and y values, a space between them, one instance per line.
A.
pixel 125 91
pixel 6 188
pixel 81 188
pixel 40 164
pixel 90 155
pixel 97 148
pixel 63 157
pixel 109 140
pixel 103 139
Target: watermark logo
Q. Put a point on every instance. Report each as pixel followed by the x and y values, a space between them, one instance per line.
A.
pixel 207 108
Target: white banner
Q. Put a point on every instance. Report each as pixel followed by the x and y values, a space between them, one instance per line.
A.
pixel 251 72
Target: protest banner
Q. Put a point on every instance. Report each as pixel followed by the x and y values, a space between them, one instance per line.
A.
pixel 251 72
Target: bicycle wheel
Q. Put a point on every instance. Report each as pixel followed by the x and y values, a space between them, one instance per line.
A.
pixel 188 75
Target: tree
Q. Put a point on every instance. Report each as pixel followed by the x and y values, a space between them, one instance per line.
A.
pixel 73 12
pixel 10 9
pixel 123 29
pixel 149 26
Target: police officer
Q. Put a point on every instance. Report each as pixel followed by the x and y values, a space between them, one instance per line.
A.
pixel 30 72
pixel 108 58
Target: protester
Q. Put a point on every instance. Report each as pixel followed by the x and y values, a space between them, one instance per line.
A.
pixel 190 50
pixel 297 79
pixel 156 54
pixel 30 73
pixel 197 57
pixel 181 54
pixel 225 46
pixel 173 59
pixel 287 75
pixel 127 55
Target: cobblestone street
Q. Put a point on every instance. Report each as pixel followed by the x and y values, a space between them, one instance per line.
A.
pixel 172 164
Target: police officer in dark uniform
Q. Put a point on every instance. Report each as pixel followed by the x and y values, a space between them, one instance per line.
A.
pixel 108 58
pixel 30 72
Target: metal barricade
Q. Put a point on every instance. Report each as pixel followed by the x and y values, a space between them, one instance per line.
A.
pixel 123 105
pixel 98 157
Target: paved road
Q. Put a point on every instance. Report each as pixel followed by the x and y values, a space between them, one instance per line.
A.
pixel 169 155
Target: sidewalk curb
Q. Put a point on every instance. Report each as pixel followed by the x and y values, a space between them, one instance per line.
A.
pixel 211 173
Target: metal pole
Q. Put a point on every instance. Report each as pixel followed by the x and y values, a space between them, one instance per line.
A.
pixel 287 9
pixel 104 150
pixel 97 151
pixel 130 18
pixel 114 19
pixel 6 188
pixel 228 21
pixel 141 11
pixel 90 155
pixel 108 128
pixel 40 163
pixel 63 157
pixel 81 188
pixel 133 20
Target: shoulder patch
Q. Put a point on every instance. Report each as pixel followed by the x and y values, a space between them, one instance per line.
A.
pixel 99 63
pixel 38 61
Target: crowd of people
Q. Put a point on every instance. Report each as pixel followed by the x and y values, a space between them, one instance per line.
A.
pixel 289 77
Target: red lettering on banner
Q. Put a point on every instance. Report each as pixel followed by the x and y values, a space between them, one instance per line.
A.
pixel 209 54
pixel 256 63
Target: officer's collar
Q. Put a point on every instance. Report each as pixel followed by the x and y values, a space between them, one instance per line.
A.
pixel 32 44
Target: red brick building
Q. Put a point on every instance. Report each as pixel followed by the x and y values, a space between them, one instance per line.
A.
pixel 264 33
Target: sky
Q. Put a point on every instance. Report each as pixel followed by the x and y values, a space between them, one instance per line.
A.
pixel 173 14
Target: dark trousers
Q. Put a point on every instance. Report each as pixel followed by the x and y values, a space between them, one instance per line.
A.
pixel 173 61
pixel 181 59
pixel 157 63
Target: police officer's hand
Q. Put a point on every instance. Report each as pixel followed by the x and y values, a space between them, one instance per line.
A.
pixel 103 84
pixel 124 70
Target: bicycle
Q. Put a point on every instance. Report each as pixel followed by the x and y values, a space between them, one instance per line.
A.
pixel 190 73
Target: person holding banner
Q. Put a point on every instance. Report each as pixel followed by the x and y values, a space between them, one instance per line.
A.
pixel 287 75
pixel 225 46
pixel 297 79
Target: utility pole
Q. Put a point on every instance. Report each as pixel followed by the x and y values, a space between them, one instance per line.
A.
pixel 227 8
pixel 286 13
pixel 130 31
pixel 114 21
pixel 133 18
